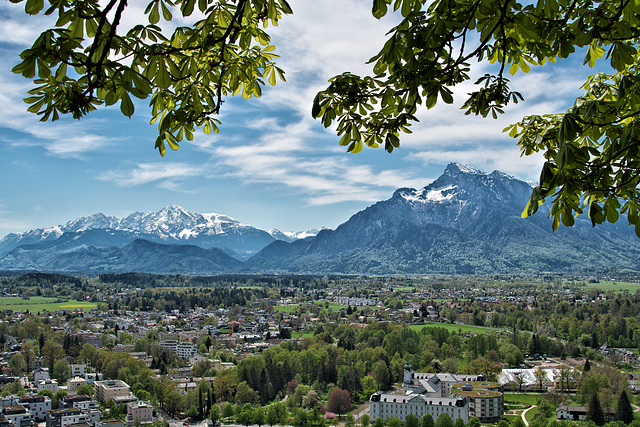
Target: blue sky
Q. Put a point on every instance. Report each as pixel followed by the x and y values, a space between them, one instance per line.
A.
pixel 272 165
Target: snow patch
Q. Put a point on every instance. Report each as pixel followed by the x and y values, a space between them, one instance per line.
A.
pixel 440 195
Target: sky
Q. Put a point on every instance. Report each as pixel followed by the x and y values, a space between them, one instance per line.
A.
pixel 272 165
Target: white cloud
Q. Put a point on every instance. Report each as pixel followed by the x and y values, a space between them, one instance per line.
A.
pixel 285 157
pixel 145 173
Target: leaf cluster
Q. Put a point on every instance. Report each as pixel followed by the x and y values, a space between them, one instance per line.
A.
pixel 87 60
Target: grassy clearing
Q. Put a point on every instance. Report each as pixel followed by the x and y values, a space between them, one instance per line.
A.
pixel 301 334
pixel 510 417
pixel 36 304
pixel 531 413
pixel 286 308
pixel 451 328
pixel 529 399
pixel 615 286
pixel 290 308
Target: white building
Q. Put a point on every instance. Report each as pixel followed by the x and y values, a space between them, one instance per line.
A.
pixel 48 385
pixel 18 415
pixel 186 350
pixel 37 404
pixel 40 374
pixel 460 396
pixel 384 406
pixel 78 371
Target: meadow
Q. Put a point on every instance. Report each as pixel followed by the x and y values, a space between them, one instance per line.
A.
pixel 334 307
pixel 615 286
pixel 451 327
pixel 40 304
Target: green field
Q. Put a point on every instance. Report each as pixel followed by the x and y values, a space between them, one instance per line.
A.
pixel 293 307
pixel 301 334
pixel 615 286
pixel 36 304
pixel 452 327
pixel 529 399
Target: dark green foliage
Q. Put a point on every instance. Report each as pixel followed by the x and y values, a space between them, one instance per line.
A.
pixel 411 421
pixel 427 421
pixel 444 420
pixel 595 412
pixel 624 411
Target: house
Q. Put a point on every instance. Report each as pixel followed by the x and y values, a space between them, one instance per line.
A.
pixel 74 384
pixel 18 415
pixel 40 374
pixel 110 389
pixel 38 405
pixel 574 413
pixel 48 385
pixel 64 417
pixel 78 370
pixel 109 423
pixel 384 406
pixel 141 412
pixel 436 394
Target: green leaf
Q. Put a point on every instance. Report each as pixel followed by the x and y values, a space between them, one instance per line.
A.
pixel 154 15
pixel 126 106
pixel 446 96
pixel 33 7
pixel 187 7
pixel 163 78
pixel 379 8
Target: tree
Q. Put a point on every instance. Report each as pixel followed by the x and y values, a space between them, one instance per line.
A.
pixel 365 420
pixel 272 416
pixel 541 377
pixel 369 386
pixel 214 413
pixel 382 375
pixel 411 421
pixel 245 394
pixel 227 410
pixel 186 74
pixel 245 417
pixel 444 420
pixel 595 412
pixel 258 416
pixel 192 413
pixel 591 159
pixel 51 352
pixel 87 389
pixel 349 421
pixel 28 354
pixel 61 370
pixel 427 421
pixel 17 364
pixel 590 150
pixel 339 401
pixel 624 411
pixel 393 422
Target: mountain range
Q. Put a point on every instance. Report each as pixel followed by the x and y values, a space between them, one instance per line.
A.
pixel 466 221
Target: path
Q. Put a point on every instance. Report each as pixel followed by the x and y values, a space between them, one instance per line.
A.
pixel 524 419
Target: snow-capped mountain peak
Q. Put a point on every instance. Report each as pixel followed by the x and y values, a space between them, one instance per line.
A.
pixel 171 224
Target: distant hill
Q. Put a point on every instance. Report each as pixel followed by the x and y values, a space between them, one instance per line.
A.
pixel 466 221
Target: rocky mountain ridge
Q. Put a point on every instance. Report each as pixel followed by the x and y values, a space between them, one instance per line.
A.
pixel 466 221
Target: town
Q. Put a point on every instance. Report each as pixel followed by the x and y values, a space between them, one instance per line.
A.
pixel 316 351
